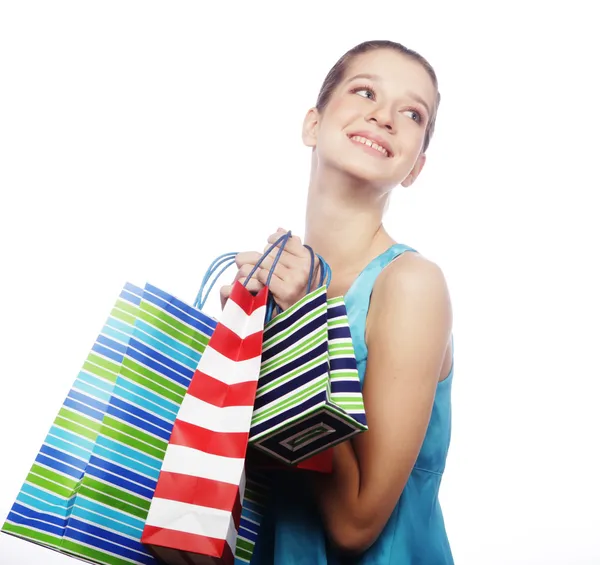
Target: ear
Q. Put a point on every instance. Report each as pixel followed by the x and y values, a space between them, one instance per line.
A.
pixel 416 171
pixel 310 128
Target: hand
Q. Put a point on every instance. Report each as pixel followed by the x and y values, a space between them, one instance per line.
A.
pixel 245 263
pixel 290 279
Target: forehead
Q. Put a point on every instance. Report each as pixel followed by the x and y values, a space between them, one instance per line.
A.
pixel 397 72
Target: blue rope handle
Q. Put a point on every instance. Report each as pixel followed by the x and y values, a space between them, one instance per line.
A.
pixel 229 259
pixel 311 273
pixel 325 272
pixel 283 240
pixel 219 260
pixel 325 275
pixel 273 306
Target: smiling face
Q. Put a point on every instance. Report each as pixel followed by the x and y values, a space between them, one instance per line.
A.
pixel 373 126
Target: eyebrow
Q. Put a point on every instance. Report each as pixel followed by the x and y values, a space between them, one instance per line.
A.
pixel 364 75
pixel 411 94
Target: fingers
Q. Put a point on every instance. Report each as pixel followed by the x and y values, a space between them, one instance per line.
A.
pixel 294 253
pixel 246 262
pixel 253 257
pixel 284 292
pixel 290 276
pixel 260 276
pixel 225 293
pixel 244 271
pixel 293 246
pixel 277 286
pixel 291 273
pixel 286 258
pixel 281 269
pixel 293 250
pixel 247 258
pixel 254 284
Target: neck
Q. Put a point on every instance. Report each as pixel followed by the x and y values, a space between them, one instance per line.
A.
pixel 344 223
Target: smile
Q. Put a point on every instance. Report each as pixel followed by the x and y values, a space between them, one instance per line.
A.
pixel 370 143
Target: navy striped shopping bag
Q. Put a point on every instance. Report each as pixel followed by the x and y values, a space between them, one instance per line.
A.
pixel 309 396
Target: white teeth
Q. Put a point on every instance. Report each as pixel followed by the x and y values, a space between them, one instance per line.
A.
pixel 369 143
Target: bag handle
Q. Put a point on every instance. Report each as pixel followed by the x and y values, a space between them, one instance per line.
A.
pixel 272 306
pixel 325 279
pixel 228 259
pixel 326 274
pixel 325 270
pixel 311 273
pixel 283 241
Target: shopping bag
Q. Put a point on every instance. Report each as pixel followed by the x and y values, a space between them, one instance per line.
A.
pixel 196 507
pixel 254 502
pixel 309 397
pixel 195 513
pixel 43 506
pixel 97 489
pixel 322 462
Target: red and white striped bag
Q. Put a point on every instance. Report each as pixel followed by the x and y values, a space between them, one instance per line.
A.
pixel 194 515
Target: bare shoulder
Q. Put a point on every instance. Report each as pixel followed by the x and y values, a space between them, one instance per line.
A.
pixel 412 286
pixel 414 274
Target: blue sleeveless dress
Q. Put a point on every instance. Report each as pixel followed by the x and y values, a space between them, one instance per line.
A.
pixel 292 532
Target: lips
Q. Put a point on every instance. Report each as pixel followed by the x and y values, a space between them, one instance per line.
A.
pixel 372 140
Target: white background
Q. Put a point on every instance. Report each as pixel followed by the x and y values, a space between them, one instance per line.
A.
pixel 138 140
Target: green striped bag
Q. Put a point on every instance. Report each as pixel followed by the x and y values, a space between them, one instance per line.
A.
pixel 89 489
pixel 309 394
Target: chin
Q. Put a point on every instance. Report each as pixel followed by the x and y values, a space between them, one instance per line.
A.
pixel 356 169
pixel 367 174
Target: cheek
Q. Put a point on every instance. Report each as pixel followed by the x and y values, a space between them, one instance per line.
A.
pixel 335 105
pixel 338 117
pixel 413 138
pixel 339 110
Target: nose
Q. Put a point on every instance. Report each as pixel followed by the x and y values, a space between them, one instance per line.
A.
pixel 383 117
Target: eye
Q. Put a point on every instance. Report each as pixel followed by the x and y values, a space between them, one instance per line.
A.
pixel 365 92
pixel 414 115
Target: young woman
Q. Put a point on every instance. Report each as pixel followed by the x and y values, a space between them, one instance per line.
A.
pixel 369 131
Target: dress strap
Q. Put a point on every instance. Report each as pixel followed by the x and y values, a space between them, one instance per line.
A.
pixel 358 297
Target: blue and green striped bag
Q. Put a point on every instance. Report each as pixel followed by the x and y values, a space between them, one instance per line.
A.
pixel 89 490
pixel 309 395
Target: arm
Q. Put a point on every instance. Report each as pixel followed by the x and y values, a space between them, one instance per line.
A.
pixel 407 335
